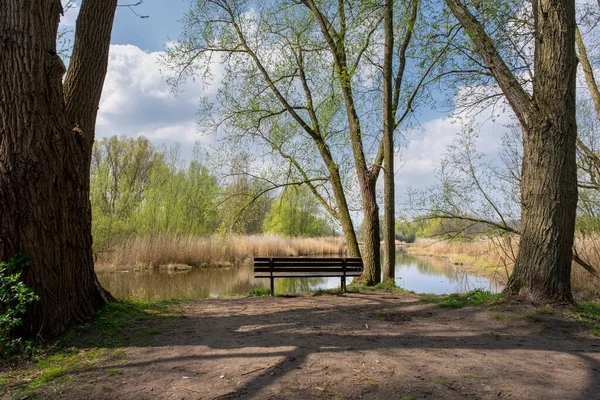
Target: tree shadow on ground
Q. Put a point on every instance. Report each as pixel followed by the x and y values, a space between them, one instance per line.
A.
pixel 366 346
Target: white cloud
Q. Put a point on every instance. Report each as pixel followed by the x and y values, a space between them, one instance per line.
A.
pixel 418 161
pixel 137 101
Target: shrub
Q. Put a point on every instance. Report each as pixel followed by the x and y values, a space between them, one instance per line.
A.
pixel 14 298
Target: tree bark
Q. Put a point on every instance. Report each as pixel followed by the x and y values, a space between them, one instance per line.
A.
pixel 46 136
pixel 371 254
pixel 549 173
pixel 549 178
pixel 389 260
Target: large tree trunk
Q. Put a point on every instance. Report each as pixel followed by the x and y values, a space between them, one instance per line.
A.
pixel 549 182
pixel 371 249
pixel 549 200
pixel 389 259
pixel 46 134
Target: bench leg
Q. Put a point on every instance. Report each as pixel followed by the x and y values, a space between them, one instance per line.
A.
pixel 272 287
pixel 343 284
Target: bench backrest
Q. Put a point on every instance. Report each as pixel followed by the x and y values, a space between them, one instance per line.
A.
pixel 305 266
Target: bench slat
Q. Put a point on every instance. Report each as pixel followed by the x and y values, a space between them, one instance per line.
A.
pixel 308 264
pixel 278 259
pixel 308 275
pixel 338 270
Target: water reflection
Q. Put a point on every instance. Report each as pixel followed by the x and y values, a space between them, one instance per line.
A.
pixel 439 276
pixel 186 285
pixel 421 275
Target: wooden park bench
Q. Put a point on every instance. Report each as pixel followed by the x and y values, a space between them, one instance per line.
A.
pixel 304 267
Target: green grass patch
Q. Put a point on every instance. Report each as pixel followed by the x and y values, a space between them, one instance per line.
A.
pixel 389 286
pixel 352 288
pixel 475 297
pixel 82 348
pixel 589 315
pixel 591 310
pixel 259 292
pixel 114 371
pixel 115 321
pixel 51 367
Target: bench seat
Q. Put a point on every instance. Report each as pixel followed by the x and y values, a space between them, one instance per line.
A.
pixel 307 267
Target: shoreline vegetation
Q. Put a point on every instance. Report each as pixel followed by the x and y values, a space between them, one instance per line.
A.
pixel 496 259
pixel 491 258
pixel 178 251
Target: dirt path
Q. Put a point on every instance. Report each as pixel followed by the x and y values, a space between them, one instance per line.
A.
pixel 356 346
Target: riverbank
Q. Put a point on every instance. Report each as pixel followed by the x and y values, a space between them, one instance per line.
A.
pixel 368 345
pixel 496 259
pixel 173 252
pixel 482 256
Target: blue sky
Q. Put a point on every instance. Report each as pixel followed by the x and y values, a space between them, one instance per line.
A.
pixel 137 101
pixel 149 34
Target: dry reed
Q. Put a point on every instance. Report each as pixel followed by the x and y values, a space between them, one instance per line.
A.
pixel 163 250
pixel 500 254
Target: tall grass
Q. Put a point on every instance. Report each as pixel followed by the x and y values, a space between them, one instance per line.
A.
pixel 493 255
pixel 165 249
pixel 588 248
pixel 498 256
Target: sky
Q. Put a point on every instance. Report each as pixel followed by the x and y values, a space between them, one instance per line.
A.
pixel 136 100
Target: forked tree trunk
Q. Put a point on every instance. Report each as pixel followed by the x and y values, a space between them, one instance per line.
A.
pixel 46 134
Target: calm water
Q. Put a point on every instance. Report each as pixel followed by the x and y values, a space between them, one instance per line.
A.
pixel 421 275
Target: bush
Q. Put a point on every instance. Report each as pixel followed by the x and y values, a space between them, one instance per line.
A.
pixel 14 298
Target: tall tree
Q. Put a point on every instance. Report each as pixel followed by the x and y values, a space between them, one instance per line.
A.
pixel 389 218
pixel 46 137
pixel 549 171
pixel 304 78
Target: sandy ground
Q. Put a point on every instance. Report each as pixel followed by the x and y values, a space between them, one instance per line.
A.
pixel 356 346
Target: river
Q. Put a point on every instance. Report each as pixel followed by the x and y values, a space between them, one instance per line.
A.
pixel 418 274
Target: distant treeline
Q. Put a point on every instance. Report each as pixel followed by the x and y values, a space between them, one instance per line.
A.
pixel 139 189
